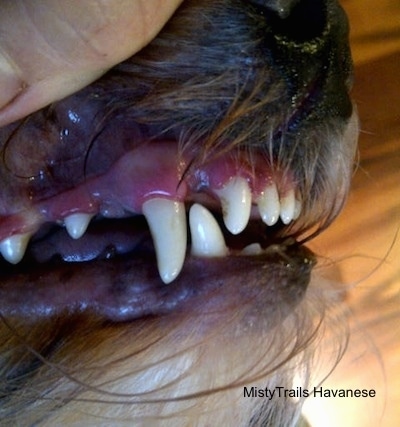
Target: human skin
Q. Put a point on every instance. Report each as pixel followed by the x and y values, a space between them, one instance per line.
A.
pixel 53 48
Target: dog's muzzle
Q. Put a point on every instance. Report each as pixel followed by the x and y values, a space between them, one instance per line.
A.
pixel 201 159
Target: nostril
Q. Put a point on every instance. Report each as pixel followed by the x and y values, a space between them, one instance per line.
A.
pixel 307 21
pixel 297 21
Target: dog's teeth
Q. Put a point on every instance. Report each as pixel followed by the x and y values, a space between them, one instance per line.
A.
pixel 76 224
pixel 236 204
pixel 252 249
pixel 167 223
pixel 13 248
pixel 297 209
pixel 288 206
pixel 207 238
pixel 269 205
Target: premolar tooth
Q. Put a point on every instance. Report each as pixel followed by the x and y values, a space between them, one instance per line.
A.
pixel 207 238
pixel 269 205
pixel 288 206
pixel 76 224
pixel 13 248
pixel 167 223
pixel 235 199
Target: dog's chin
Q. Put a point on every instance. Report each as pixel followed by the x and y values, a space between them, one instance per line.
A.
pixel 152 225
pixel 188 366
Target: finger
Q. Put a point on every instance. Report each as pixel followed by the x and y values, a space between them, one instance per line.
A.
pixel 52 48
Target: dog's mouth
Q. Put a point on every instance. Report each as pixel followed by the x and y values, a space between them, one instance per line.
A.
pixel 103 240
pixel 168 178
pixel 150 231
pixel 153 188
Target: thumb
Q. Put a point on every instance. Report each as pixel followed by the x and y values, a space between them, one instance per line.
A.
pixel 52 48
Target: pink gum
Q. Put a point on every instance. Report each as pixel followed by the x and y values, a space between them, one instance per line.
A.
pixel 151 170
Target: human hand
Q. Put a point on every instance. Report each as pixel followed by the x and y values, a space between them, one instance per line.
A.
pixel 52 48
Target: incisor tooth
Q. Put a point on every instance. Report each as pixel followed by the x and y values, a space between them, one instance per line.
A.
pixel 288 206
pixel 76 224
pixel 207 238
pixel 297 209
pixel 167 223
pixel 235 199
pixel 269 205
pixel 13 248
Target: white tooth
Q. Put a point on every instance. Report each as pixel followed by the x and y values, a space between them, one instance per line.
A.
pixel 76 224
pixel 167 223
pixel 13 248
pixel 236 204
pixel 253 249
pixel 269 205
pixel 207 238
pixel 288 206
pixel 297 209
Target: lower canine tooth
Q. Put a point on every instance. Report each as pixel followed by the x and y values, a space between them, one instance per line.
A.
pixel 288 206
pixel 76 224
pixel 207 238
pixel 235 199
pixel 13 248
pixel 268 205
pixel 167 222
pixel 252 249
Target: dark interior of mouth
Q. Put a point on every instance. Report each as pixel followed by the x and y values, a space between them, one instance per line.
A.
pixel 110 238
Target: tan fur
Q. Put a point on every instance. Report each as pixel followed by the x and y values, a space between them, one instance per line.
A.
pixel 173 371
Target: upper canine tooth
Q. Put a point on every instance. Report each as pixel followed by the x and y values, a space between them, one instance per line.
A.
pixel 13 248
pixel 207 238
pixel 235 199
pixel 269 205
pixel 167 223
pixel 288 206
pixel 76 224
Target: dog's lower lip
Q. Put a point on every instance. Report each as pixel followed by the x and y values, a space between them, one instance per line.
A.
pixel 129 287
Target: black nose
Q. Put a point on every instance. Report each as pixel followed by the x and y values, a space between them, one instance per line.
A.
pixel 281 7
pixel 307 41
